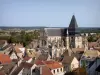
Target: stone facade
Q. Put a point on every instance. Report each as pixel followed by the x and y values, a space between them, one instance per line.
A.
pixel 63 37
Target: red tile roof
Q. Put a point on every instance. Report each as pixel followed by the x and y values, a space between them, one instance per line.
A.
pixel 27 58
pixel 4 59
pixel 46 71
pixel 17 46
pixel 51 64
pixel 39 62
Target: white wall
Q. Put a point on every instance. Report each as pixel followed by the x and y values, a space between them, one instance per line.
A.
pixel 13 56
pixel 74 64
pixel 78 42
pixel 59 72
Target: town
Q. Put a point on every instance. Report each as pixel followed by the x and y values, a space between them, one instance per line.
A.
pixel 50 51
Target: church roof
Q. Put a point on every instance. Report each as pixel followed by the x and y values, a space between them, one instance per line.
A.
pixel 73 27
pixel 53 31
pixel 73 23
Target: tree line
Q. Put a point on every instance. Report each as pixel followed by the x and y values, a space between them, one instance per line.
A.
pixel 22 37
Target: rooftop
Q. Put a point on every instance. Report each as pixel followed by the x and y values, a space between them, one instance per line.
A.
pixel 51 64
pixel 46 71
pixel 4 59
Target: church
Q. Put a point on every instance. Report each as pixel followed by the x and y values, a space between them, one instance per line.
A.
pixel 69 37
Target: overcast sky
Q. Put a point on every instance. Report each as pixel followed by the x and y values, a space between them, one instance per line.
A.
pixel 54 13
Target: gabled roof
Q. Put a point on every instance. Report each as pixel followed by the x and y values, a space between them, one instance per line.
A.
pixel 73 23
pixel 67 60
pixel 98 68
pixel 7 68
pixel 21 66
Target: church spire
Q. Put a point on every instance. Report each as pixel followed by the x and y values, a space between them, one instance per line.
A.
pixel 73 23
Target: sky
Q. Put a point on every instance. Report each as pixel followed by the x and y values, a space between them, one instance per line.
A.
pixel 49 13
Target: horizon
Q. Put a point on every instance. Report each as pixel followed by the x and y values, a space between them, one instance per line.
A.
pixel 58 13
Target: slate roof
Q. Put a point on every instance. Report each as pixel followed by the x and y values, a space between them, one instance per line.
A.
pixel 53 31
pixel 98 68
pixel 73 23
pixel 73 27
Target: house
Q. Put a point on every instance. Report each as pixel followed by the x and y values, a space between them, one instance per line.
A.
pixel 78 52
pixel 7 68
pixel 23 69
pixel 70 63
pixel 20 50
pixel 90 60
pixel 31 53
pixel 13 55
pixel 43 70
pixel 93 67
pixel 55 67
pixel 4 59
pixel 89 56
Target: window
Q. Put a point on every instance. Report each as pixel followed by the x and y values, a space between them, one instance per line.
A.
pixel 53 71
pixel 57 70
pixel 61 69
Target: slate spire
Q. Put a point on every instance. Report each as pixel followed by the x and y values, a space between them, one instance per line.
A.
pixel 73 23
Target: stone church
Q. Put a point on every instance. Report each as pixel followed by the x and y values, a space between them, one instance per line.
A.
pixel 69 37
